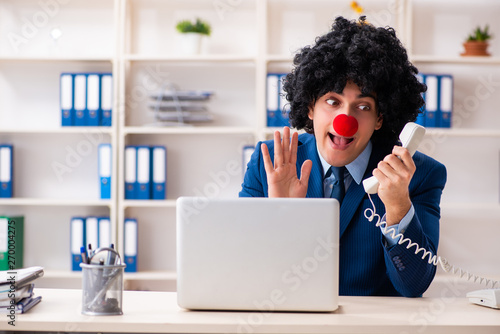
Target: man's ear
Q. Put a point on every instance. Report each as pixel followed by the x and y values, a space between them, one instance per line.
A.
pixel 311 113
pixel 380 120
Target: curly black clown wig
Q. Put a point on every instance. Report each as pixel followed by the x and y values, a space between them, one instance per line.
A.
pixel 371 57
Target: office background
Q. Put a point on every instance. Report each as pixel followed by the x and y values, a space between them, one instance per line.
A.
pixel 55 168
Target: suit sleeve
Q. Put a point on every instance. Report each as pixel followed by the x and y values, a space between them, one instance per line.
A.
pixel 255 180
pixel 409 273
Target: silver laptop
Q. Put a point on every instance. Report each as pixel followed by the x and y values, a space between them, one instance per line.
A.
pixel 257 254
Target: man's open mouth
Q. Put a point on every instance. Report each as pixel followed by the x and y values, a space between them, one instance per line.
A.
pixel 339 141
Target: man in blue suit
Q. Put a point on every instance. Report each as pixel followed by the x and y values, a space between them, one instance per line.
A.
pixel 362 73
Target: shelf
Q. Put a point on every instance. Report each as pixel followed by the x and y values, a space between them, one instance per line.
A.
pixel 149 203
pixel 141 275
pixel 188 130
pixel 161 280
pixel 138 43
pixel 67 274
pixel 151 275
pixel 279 58
pixel 63 130
pixel 455 59
pixel 53 202
pixel 56 59
pixel 472 207
pixel 463 132
pixel 197 58
pixel 271 130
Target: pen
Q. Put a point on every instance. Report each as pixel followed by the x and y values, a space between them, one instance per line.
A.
pixel 111 256
pixel 84 255
pixel 90 253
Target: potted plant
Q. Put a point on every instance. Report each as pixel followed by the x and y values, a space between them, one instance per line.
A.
pixel 476 43
pixel 192 33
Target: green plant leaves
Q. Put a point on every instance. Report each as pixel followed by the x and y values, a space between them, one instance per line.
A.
pixel 198 26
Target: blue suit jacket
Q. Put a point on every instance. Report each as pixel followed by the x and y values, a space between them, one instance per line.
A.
pixel 367 267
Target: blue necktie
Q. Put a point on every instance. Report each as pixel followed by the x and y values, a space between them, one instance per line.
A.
pixel 338 190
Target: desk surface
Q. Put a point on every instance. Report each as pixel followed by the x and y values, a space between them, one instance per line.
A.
pixel 157 312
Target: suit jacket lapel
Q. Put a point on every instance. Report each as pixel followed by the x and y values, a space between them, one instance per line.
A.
pixel 356 192
pixel 307 150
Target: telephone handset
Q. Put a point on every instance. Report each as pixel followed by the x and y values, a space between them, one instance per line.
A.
pixel 411 136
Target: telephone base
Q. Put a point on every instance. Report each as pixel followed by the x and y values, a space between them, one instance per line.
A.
pixel 485 297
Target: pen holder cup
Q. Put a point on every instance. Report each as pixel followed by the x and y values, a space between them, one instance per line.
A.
pixel 102 289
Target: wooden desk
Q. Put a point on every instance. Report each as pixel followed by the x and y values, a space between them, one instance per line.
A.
pixel 157 312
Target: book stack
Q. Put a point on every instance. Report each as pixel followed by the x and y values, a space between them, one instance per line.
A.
pixel 278 108
pixel 180 107
pixel 145 172
pixel 16 290
pixel 91 231
pixel 11 242
pixel 86 99
pixel 105 160
pixel 438 108
pixel 94 232
pixel 130 244
pixel 6 158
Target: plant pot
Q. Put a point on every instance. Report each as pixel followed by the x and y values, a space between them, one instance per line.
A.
pixel 475 48
pixel 191 43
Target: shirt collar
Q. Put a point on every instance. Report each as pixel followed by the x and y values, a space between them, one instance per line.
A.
pixel 356 168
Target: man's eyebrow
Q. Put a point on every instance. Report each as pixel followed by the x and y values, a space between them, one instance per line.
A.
pixel 360 96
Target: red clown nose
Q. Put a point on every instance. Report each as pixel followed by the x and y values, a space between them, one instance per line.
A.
pixel 345 125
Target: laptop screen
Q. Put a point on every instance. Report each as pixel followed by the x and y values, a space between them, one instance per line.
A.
pixel 257 254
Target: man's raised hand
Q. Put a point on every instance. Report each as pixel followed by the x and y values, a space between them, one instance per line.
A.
pixel 282 177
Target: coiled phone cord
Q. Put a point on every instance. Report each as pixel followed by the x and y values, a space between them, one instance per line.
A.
pixel 371 214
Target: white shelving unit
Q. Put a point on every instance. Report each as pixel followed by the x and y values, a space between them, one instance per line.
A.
pixel 137 41
pixel 55 167
pixel 196 156
pixel 470 150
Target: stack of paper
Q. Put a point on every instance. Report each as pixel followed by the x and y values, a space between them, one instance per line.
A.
pixel 176 107
pixel 16 289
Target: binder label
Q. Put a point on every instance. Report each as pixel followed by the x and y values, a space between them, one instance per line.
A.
pixel 105 162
